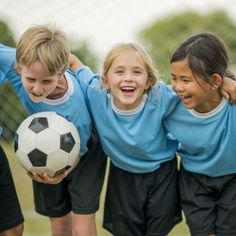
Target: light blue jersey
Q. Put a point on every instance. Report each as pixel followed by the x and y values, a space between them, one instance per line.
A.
pixel 72 105
pixel 135 141
pixel 207 141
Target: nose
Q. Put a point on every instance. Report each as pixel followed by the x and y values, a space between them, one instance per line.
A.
pixel 177 86
pixel 37 88
pixel 128 77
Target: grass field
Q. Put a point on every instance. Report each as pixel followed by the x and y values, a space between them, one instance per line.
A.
pixel 36 225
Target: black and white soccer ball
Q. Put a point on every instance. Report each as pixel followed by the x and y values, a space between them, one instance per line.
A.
pixel 47 143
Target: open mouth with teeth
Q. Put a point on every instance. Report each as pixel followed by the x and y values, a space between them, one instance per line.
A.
pixel 36 95
pixel 127 90
pixel 185 99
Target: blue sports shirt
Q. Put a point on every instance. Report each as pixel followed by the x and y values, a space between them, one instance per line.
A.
pixel 135 141
pixel 207 140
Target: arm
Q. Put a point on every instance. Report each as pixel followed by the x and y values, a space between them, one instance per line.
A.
pixel 7 61
pixel 74 63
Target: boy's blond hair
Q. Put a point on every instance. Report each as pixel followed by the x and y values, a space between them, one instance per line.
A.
pixel 144 57
pixel 45 44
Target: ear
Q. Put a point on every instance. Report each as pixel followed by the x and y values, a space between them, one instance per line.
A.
pixel 17 68
pixel 148 84
pixel 105 82
pixel 216 81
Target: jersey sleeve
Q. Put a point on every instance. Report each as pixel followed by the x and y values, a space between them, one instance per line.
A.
pixel 165 97
pixel 86 78
pixel 170 98
pixel 7 61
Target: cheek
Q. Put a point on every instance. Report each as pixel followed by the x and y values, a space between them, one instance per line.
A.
pixel 25 83
pixel 51 87
pixel 173 85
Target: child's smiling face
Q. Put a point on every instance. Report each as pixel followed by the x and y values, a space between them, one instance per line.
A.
pixel 127 80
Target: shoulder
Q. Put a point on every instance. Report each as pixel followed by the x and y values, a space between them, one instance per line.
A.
pixel 7 52
pixel 7 62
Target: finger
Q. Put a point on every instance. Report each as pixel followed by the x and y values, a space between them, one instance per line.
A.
pixel 232 98
pixel 225 94
pixel 29 174
pixel 52 180
pixel 32 175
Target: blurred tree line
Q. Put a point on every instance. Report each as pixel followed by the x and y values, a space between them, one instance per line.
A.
pixel 164 35
pixel 160 38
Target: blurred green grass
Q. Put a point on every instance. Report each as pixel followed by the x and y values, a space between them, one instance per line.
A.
pixel 37 225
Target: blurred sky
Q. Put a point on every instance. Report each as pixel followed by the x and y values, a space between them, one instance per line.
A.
pixel 101 23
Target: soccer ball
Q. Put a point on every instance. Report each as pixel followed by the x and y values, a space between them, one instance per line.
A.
pixel 47 143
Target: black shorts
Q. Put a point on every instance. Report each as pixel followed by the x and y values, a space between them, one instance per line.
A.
pixel 142 204
pixel 80 191
pixel 10 211
pixel 209 203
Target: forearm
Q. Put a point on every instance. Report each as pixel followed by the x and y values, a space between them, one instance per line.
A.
pixel 74 63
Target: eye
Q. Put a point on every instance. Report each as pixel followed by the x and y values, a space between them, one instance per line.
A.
pixel 119 72
pixel 47 81
pixel 186 80
pixel 30 79
pixel 137 72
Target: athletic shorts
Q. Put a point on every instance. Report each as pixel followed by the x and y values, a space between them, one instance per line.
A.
pixel 80 191
pixel 10 211
pixel 209 203
pixel 142 204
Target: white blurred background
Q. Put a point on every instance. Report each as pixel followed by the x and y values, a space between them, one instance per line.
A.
pixel 101 23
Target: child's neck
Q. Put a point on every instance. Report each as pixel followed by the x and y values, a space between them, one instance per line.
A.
pixel 128 111
pixel 60 90
pixel 211 105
